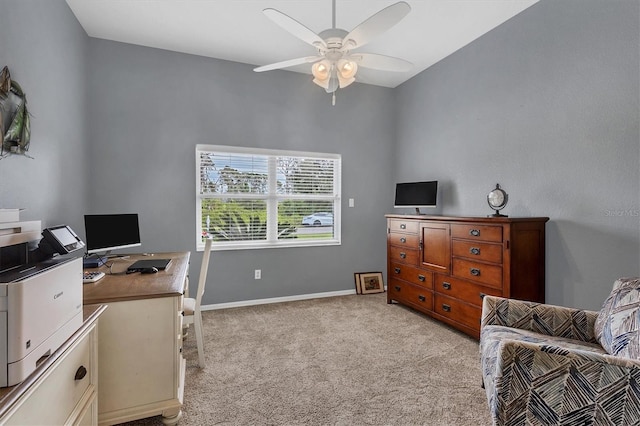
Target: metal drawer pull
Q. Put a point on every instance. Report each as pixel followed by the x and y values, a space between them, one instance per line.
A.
pixel 403 226
pixel 474 232
pixel 446 308
pixel 80 373
pixel 396 270
pixel 482 295
pixel 421 278
pixel 475 272
pixel 475 250
pixel 397 288
pixel 403 255
pixel 403 240
pixel 422 298
pixel 446 285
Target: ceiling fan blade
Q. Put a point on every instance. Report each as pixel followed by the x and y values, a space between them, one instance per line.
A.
pixel 381 62
pixel 375 25
pixel 289 63
pixel 295 27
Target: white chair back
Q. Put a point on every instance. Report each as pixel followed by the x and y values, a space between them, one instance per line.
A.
pixel 202 280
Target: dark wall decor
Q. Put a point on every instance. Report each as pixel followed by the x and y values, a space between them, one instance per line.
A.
pixel 14 116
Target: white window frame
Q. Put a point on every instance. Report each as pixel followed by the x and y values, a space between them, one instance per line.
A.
pixel 272 199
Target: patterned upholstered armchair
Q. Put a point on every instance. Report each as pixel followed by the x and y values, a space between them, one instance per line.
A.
pixel 550 365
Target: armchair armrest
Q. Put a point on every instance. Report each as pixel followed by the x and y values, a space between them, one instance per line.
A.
pixel 541 318
pixel 560 384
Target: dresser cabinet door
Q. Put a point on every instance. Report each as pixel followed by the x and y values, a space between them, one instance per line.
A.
pixel 435 254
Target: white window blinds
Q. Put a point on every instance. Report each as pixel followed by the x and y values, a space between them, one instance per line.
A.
pixel 256 198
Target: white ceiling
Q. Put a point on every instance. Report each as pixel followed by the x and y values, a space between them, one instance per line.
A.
pixel 237 30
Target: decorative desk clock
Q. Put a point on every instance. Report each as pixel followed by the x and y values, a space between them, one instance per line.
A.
pixel 497 200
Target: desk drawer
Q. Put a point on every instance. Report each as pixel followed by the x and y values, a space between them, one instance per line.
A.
pixel 403 255
pixel 490 275
pixel 61 389
pixel 408 293
pixel 412 275
pixel 477 232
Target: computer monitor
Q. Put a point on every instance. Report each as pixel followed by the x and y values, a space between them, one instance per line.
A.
pixel 416 195
pixel 106 232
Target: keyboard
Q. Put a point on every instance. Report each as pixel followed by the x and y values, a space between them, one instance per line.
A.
pixel 91 276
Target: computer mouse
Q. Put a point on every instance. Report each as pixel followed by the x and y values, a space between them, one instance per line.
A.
pixel 151 270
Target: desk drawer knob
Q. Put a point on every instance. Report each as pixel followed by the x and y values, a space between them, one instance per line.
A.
pixel 421 278
pixel 403 255
pixel 396 270
pixel 475 272
pixel 422 298
pixel 403 240
pixel 482 295
pixel 474 232
pixel 403 226
pixel 80 373
pixel 397 288
pixel 475 250
pixel 446 308
pixel 446 285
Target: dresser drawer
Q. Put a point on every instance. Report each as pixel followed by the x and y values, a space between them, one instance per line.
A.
pixel 404 226
pixel 463 290
pixel 403 255
pixel 61 390
pixel 476 250
pixel 477 232
pixel 458 311
pixel 412 275
pixel 490 275
pixel 409 293
pixel 404 240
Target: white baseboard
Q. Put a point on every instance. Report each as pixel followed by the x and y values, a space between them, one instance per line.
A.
pixel 275 300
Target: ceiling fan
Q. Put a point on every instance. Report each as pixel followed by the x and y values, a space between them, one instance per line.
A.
pixel 335 65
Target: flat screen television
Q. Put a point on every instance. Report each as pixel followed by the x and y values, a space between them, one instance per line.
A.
pixel 416 195
pixel 106 232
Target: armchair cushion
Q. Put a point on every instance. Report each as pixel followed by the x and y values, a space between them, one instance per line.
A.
pixel 617 326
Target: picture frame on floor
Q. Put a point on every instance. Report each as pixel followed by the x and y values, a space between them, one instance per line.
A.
pixel 371 282
pixel 356 277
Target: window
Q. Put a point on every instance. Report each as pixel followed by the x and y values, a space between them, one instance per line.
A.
pixel 250 198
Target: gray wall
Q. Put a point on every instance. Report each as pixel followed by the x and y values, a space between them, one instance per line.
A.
pixel 151 107
pixel 44 47
pixel 547 105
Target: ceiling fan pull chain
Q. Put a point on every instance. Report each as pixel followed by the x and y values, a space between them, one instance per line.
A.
pixel 333 99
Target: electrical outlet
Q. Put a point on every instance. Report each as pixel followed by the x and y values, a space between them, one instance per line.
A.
pixel 258 274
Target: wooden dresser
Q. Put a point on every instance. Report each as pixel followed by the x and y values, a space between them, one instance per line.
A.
pixel 444 265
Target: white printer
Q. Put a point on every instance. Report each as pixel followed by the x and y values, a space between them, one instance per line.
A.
pixel 40 296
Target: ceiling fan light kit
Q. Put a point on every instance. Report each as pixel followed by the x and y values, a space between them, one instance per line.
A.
pixel 335 67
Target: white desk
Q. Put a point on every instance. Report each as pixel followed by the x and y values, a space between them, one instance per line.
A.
pixel 141 370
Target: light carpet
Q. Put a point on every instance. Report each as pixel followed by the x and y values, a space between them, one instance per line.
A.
pixel 350 360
